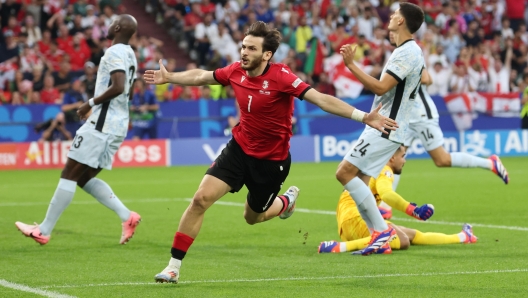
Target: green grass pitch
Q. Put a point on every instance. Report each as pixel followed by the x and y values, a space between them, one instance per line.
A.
pixel 274 259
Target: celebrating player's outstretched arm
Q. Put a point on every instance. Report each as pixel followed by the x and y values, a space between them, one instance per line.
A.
pixel 338 107
pixel 193 77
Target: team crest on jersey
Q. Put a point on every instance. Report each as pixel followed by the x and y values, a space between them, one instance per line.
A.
pixel 388 174
pixel 265 85
pixel 242 79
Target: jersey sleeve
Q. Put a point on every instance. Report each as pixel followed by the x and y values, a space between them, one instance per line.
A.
pixel 115 61
pixel 222 75
pixel 400 64
pixel 291 84
pixel 387 194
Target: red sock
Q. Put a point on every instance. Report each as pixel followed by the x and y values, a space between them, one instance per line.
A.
pixel 181 244
pixel 285 203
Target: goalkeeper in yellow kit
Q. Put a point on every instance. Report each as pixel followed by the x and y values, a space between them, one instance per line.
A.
pixel 353 229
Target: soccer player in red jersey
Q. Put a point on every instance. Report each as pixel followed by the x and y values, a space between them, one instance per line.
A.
pixel 258 154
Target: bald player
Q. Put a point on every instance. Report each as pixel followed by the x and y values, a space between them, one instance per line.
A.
pixel 97 141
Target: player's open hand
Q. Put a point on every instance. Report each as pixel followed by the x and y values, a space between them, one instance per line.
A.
pixel 156 77
pixel 376 120
pixel 348 52
pixel 84 110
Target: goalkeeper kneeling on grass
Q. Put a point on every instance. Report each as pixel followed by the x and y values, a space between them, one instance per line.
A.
pixel 354 231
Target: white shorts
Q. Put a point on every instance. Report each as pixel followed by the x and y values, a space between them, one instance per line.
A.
pixel 94 148
pixel 428 132
pixel 371 153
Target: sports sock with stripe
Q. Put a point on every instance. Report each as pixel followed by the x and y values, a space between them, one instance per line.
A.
pixel 366 204
pixel 61 199
pixel 466 160
pixel 102 192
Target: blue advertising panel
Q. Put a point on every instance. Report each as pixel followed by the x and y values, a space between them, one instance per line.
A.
pixel 208 119
pixel 476 142
pixel 193 151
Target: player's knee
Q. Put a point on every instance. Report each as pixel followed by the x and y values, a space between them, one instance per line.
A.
pixel 343 175
pixel 200 202
pixel 250 220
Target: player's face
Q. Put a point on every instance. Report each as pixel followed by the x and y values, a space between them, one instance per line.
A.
pixel 111 29
pixel 251 53
pixel 395 20
pixel 398 161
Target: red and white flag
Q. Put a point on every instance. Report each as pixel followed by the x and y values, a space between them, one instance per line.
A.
pixel 465 107
pixel 346 84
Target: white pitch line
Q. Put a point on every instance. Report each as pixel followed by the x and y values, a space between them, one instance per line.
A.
pixel 301 210
pixel 24 288
pixel 425 274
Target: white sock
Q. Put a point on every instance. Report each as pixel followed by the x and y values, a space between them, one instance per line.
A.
pixel 395 182
pixel 364 216
pixel 466 160
pixel 366 203
pixel 177 263
pixel 342 247
pixel 462 237
pixel 104 194
pixel 61 199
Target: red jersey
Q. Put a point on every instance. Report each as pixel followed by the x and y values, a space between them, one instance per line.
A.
pixel 266 108
pixel 49 96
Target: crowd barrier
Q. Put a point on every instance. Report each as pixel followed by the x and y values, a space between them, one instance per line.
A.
pixel 203 151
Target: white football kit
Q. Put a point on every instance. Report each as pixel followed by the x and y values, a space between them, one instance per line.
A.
pixel 374 149
pixel 424 122
pixel 97 141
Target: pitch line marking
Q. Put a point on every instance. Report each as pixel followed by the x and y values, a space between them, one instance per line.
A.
pixel 24 288
pixel 425 274
pixel 302 210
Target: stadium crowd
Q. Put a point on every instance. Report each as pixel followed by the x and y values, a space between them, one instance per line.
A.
pixel 47 46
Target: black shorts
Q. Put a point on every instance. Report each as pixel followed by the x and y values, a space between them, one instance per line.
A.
pixel 263 178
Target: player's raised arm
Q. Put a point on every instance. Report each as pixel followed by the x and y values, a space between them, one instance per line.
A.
pixel 117 87
pixel 378 87
pixel 338 107
pixel 193 77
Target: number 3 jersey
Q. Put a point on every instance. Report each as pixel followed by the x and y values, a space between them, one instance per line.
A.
pixel 111 117
pixel 405 65
pixel 266 108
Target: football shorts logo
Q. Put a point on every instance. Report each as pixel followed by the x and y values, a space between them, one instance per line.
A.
pixel 265 85
pixel 242 79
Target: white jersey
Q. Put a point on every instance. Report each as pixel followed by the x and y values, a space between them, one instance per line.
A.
pixel 111 117
pixel 424 107
pixel 405 65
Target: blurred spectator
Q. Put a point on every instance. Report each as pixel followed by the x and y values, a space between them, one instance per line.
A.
pixel 303 33
pixel 10 8
pixel 89 19
pixel 88 79
pixel 77 25
pixel 32 30
pixel 441 79
pixel 63 77
pixel 499 73
pixel 143 109
pixel 67 121
pixel 79 53
pixel 37 78
pixel 459 81
pixel 205 93
pixel 50 94
pixel 204 33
